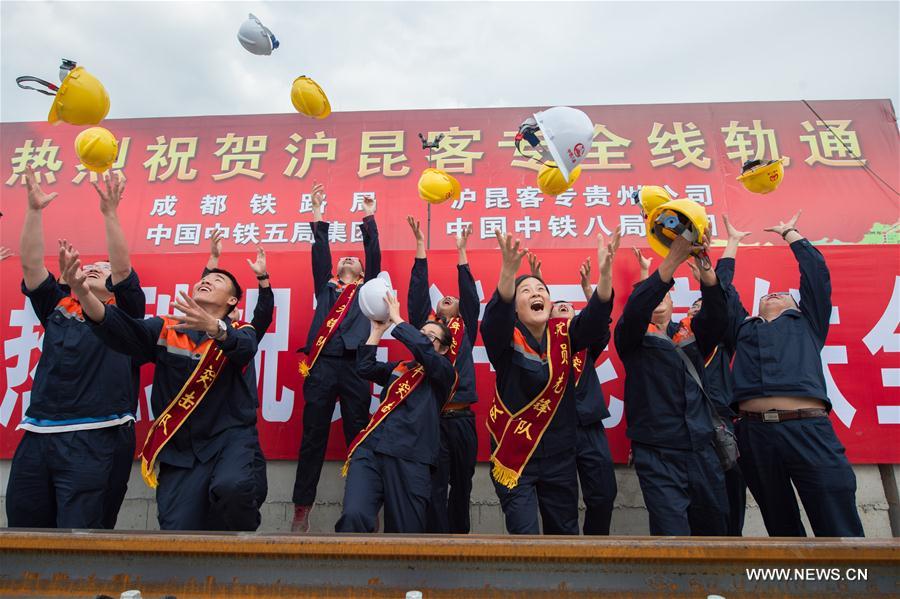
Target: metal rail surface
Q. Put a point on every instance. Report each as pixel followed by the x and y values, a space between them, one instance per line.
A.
pixel 87 563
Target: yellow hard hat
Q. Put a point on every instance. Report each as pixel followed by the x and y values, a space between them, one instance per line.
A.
pixel 685 218
pixel 81 100
pixel 758 176
pixel 97 148
pixel 309 99
pixel 551 181
pixel 650 197
pixel 436 186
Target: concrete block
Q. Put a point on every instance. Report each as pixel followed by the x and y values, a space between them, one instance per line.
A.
pixel 629 489
pixel 275 517
pixel 280 477
pixel 869 486
pixel 482 485
pixel 331 483
pixel 629 521
pixel 137 488
pixel 325 515
pixel 490 520
pixel 4 475
pixel 134 514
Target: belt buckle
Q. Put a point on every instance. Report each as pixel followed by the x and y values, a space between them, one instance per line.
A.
pixel 771 416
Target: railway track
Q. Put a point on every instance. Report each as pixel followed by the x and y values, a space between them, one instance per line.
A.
pixel 90 563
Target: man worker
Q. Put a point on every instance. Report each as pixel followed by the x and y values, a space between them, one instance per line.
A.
pixel 785 437
pixel 204 439
pixel 72 465
pixel 329 369
pixel 669 424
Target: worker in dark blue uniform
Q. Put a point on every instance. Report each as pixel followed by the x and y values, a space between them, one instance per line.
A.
pixel 71 467
pixel 263 312
pixel 719 380
pixel 391 462
pixel 596 473
pixel 516 336
pixel 448 511
pixel 332 374
pixel 784 434
pixel 669 424
pixel 209 475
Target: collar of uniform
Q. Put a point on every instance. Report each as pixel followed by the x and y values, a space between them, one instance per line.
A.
pixel 792 312
pixel 537 346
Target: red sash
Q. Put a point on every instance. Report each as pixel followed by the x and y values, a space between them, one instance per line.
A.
pixel 186 401
pixel 457 331
pixel 517 435
pixel 579 362
pixel 328 328
pixel 397 393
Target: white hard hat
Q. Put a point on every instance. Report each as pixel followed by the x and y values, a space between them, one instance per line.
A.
pixel 256 37
pixel 371 300
pixel 568 133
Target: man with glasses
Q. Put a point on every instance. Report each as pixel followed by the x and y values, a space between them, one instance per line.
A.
pixel 71 467
pixel 784 433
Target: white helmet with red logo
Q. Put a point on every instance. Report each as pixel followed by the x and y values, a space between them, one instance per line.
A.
pixel 568 133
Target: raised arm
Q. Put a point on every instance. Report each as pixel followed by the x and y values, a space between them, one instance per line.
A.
pixel 215 251
pixel 591 326
pixel 31 243
pixel 110 196
pixel 643 263
pixel 646 296
pixel 371 245
pixel 321 250
pixel 367 365
pixel 512 254
pixel 469 304
pixel 605 254
pixel 815 279
pixel 584 273
pixel 265 303
pixel 711 323
pixel 418 302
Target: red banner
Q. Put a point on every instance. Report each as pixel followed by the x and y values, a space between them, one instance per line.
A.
pixel 251 174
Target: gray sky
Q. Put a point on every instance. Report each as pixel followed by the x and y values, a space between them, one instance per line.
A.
pixel 176 59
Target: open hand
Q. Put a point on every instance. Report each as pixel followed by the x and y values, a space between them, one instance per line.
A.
pixel 37 199
pixel 463 238
pixel 512 251
pixel 781 227
pixel 259 266
pixel 110 197
pixel 416 229
pixel 194 318
pixel 607 251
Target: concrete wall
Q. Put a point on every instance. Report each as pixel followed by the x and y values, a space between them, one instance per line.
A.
pixel 629 518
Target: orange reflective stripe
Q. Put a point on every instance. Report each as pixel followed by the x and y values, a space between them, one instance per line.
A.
pixel 521 344
pixel 178 342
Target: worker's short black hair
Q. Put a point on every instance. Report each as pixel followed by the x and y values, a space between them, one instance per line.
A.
pixel 238 292
pixel 521 278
